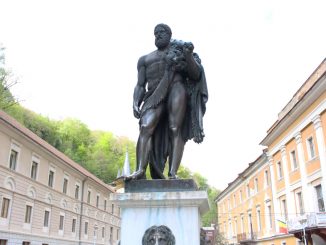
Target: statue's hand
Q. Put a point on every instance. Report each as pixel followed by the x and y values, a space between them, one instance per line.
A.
pixel 170 59
pixel 188 48
pixel 136 111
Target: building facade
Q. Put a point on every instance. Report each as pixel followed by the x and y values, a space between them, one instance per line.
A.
pixel 46 198
pixel 290 208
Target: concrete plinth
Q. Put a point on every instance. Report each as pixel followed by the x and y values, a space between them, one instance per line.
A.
pixel 179 209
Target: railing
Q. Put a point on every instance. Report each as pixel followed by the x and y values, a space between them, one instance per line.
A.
pixel 246 236
pixel 306 221
pixel 241 237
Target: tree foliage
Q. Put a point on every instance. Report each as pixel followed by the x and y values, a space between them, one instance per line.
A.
pixel 6 98
pixel 211 216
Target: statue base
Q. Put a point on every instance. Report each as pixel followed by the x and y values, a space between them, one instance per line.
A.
pixel 176 204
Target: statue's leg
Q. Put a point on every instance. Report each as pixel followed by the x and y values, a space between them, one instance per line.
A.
pixel 177 104
pixel 148 123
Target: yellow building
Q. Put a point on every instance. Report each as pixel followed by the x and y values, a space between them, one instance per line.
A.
pixel 280 197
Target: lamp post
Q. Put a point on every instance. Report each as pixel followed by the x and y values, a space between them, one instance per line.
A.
pixel 303 222
pixel 304 235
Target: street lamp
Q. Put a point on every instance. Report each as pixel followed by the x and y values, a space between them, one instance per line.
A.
pixel 303 222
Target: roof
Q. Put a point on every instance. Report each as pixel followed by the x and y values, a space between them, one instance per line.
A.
pixel 306 87
pixel 10 121
pixel 244 174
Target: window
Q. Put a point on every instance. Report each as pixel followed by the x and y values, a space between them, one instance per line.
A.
pixel 284 209
pixel 250 224
pixel 13 159
pixel 111 234
pixel 248 191
pixel 229 204
pixel 3 242
pixel 320 199
pixel 266 178
pixel 46 218
pixel 112 209
pixel 34 170
pixel 65 185
pixel 51 178
pixel 294 162
pixel 300 208
pixel 61 222
pixel 269 213
pixel 105 204
pixel 26 243
pixel 28 214
pixel 234 200
pixel 279 170
pixel 77 191
pixel 256 185
pixel 86 228
pixel 95 232
pixel 240 196
pixel 258 220
pixel 73 226
pixel 235 226
pixel 242 224
pixel 89 197
pixel 117 234
pixel 97 200
pixel 103 232
pixel 311 148
pixel 5 208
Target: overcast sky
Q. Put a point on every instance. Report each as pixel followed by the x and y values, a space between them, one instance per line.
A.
pixel 78 59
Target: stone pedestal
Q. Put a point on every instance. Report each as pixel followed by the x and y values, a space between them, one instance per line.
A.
pixel 176 204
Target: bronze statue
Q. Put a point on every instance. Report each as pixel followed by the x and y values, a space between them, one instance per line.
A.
pixel 169 101
pixel 158 235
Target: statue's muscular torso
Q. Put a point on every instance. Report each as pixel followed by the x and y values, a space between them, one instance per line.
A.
pixel 154 67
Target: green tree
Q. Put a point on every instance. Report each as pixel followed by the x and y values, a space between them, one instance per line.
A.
pixel 74 140
pixel 211 216
pixel 108 154
pixel 220 239
pixel 184 172
pixel 6 98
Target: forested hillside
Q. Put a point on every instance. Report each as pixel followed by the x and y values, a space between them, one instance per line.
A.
pixel 100 152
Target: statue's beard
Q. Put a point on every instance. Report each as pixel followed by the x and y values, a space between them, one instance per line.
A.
pixel 162 43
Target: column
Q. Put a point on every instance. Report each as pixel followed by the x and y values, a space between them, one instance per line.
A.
pixel 276 207
pixel 288 193
pixel 303 173
pixel 322 150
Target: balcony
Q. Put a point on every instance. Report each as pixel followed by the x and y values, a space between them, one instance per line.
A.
pixel 247 238
pixel 307 221
pixel 303 227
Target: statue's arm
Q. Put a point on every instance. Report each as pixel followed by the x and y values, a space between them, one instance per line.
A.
pixel 139 90
pixel 193 68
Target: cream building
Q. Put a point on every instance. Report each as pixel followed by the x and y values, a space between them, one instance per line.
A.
pixel 46 198
pixel 292 205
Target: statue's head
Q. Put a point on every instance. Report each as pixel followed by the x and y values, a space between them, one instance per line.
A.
pixel 158 235
pixel 163 35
